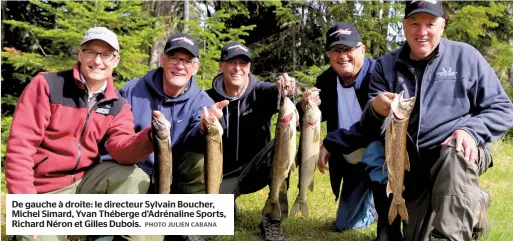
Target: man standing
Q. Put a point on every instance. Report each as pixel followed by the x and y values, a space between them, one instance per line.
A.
pixel 460 107
pixel 341 93
pixel 247 145
pixel 48 153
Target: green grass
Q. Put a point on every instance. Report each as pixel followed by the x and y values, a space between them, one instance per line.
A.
pixel 497 180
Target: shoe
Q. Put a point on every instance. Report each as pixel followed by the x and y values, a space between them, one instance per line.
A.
pixel 193 238
pixel 271 229
pixel 482 228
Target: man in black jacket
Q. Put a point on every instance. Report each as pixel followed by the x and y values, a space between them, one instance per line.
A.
pixel 247 144
pixel 343 90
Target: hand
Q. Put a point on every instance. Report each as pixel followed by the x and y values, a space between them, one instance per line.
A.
pixel 463 141
pixel 324 155
pixel 381 103
pixel 288 82
pixel 311 94
pixel 157 114
pixel 215 111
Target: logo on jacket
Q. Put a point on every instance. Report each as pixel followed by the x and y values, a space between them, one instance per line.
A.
pixel 247 112
pixel 446 72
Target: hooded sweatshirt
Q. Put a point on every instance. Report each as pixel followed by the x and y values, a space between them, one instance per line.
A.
pixel 246 120
pixel 183 112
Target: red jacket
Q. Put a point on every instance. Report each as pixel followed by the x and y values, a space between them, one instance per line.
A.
pixel 54 139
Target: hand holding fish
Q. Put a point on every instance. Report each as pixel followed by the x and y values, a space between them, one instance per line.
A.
pixel 324 155
pixel 215 111
pixel 311 94
pixel 464 142
pixel 289 84
pixel 381 103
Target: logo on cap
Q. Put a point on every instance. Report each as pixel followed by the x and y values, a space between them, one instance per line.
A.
pixel 184 39
pixel 341 31
pixel 422 1
pixel 238 48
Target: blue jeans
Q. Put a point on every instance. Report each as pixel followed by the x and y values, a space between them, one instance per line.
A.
pixel 356 209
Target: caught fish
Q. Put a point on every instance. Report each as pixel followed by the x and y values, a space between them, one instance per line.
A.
pixel 396 156
pixel 283 159
pixel 310 145
pixel 162 168
pixel 213 170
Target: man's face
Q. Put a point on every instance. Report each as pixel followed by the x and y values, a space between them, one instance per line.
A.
pixel 179 66
pixel 347 61
pixel 423 32
pixel 235 71
pixel 97 60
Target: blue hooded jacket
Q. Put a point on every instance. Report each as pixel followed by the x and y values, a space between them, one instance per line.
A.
pixel 184 112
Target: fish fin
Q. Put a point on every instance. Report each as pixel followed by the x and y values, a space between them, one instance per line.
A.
pixel 403 212
pixel 283 187
pixel 389 190
pixel 290 133
pixel 392 212
pixel 272 209
pixel 317 135
pixel 407 163
pixel 311 186
pixel 385 167
pixel 295 208
pixel 403 188
pixel 384 126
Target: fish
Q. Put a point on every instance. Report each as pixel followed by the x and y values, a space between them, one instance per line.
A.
pixel 396 156
pixel 213 168
pixel 310 146
pixel 284 154
pixel 162 168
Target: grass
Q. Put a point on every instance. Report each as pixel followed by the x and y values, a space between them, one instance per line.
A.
pixel 497 180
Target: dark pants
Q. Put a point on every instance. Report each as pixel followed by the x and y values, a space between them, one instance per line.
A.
pixel 254 176
pixel 444 208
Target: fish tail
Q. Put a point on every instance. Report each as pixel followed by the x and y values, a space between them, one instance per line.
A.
pixel 403 212
pixel 300 205
pixel 272 209
pixel 392 213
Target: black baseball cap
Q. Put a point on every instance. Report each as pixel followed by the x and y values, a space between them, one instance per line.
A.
pixel 184 41
pixel 235 49
pixel 432 7
pixel 342 34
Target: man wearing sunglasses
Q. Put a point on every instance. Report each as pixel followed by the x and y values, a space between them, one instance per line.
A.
pixel 341 92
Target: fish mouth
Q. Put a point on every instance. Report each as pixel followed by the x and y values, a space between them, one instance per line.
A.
pixel 313 123
pixel 286 119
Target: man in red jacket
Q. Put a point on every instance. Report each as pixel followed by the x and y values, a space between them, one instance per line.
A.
pixel 63 118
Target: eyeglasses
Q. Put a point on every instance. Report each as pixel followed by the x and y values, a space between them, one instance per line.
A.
pixel 345 50
pixel 106 56
pixel 175 60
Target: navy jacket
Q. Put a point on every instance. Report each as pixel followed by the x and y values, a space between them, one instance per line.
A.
pixel 246 121
pixel 184 112
pixel 459 90
pixel 341 141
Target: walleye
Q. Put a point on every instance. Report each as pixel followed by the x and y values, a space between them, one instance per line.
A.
pixel 396 156
pixel 283 159
pixel 162 168
pixel 213 170
pixel 310 145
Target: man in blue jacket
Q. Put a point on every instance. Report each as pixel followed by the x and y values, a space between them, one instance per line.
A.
pixel 171 89
pixel 247 145
pixel 460 107
pixel 341 92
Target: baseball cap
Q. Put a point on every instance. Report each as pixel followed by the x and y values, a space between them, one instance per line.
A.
pixel 432 7
pixel 183 41
pixel 101 33
pixel 342 33
pixel 234 49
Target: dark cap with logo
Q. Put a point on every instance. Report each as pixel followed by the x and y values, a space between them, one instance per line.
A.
pixel 235 49
pixel 432 7
pixel 342 34
pixel 183 41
